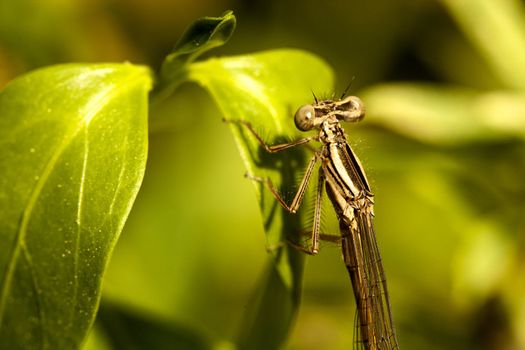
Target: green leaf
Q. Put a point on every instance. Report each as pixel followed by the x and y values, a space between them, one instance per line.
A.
pixel 129 330
pixel 497 29
pixel 73 145
pixel 446 115
pixel 265 89
pixel 202 35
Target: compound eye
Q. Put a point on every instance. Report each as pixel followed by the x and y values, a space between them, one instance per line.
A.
pixel 304 118
pixel 353 109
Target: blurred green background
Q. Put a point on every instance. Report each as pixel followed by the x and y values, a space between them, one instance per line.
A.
pixel 444 84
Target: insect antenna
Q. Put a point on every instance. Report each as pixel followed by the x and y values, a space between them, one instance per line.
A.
pixel 348 87
pixel 315 97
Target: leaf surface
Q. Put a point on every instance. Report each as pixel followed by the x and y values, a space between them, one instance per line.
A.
pixel 73 145
pixel 265 89
pixel 446 115
pixel 201 36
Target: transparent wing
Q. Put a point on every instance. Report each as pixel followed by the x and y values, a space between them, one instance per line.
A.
pixel 374 323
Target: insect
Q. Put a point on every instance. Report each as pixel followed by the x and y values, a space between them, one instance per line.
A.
pixel 343 176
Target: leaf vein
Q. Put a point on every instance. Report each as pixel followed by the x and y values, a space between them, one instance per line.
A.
pixel 37 292
pixel 79 221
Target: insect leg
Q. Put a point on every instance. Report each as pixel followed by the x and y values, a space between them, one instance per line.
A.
pixel 296 202
pixel 272 148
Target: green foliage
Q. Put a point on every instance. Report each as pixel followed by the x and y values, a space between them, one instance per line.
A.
pixel 447 115
pixel 466 165
pixel 74 140
pixel 443 149
pixel 73 145
pixel 202 35
pixel 497 30
pixel 458 114
pixel 128 330
pixel 262 89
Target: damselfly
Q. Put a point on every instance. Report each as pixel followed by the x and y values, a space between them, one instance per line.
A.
pixel 343 176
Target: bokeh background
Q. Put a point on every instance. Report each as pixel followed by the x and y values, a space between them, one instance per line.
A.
pixel 443 146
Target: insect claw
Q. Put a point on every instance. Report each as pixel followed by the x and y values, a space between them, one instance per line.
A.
pixel 250 176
